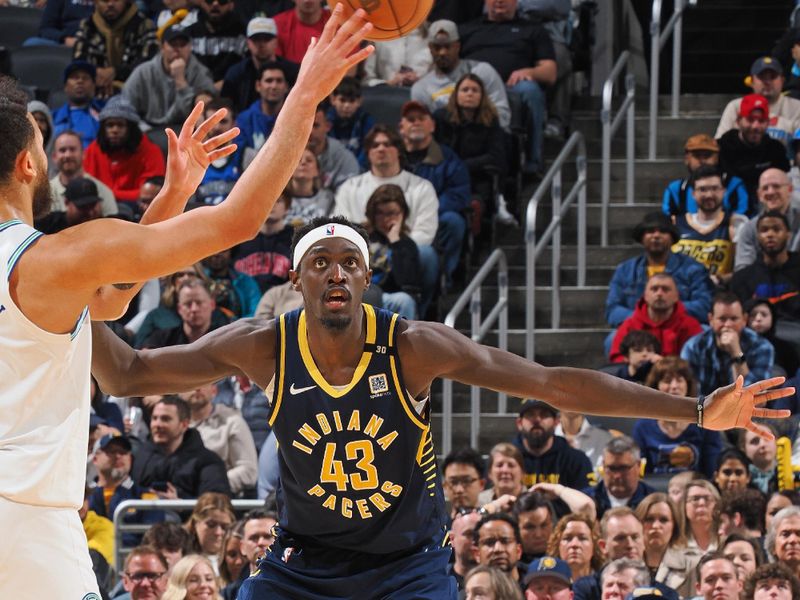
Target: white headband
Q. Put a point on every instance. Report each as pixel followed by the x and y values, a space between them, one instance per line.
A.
pixel 331 230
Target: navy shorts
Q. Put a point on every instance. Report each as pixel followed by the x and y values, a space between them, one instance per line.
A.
pixel 292 572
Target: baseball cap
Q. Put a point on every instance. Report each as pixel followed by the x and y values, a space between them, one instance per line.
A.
pixel 753 102
pixel 442 29
pixel 645 593
pixel 262 26
pixel 548 566
pixel 530 403
pixel 82 192
pixel 174 32
pixel 766 63
pixel 413 105
pixel 109 438
pixel 655 220
pixel 80 65
pixel 701 141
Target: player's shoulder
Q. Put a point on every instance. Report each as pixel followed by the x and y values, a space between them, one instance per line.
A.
pixel 421 335
pixel 255 329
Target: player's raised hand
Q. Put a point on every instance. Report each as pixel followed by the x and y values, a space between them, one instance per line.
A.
pixel 735 405
pixel 329 58
pixel 190 153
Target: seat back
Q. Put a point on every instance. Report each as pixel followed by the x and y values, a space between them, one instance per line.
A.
pixel 17 24
pixel 384 102
pixel 41 66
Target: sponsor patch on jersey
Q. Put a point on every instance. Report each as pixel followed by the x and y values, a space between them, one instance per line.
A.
pixel 378 384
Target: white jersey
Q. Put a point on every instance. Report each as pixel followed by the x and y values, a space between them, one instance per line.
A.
pixel 44 395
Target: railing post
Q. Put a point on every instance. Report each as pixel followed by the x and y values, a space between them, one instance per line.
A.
pixel 580 164
pixel 605 198
pixel 530 288
pixel 677 39
pixel 447 416
pixel 502 288
pixel 630 141
pixel 655 52
pixel 474 391
pixel 555 288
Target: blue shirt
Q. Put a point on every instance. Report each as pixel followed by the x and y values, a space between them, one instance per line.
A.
pixel 712 366
pixel 735 198
pixel 656 446
pixel 255 127
pixel 82 121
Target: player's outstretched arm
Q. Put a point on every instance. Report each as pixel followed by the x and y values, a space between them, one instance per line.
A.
pixel 433 350
pixel 188 157
pixel 246 347
pixel 81 259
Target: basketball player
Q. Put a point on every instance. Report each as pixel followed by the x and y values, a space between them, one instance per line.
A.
pixel 50 285
pixel 361 509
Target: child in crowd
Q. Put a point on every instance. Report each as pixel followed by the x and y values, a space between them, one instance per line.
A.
pixel 349 122
pixel 640 349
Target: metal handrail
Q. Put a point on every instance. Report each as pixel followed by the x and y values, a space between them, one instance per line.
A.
pixel 478 329
pixel 610 127
pixel 658 39
pixel 533 248
pixel 122 508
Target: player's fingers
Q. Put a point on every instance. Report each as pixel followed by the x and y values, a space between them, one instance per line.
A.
pixel 352 32
pixel 332 26
pixel 172 142
pixel 219 140
pixel 209 123
pixel 362 54
pixel 222 152
pixel 760 431
pixel 760 386
pixel 771 413
pixel 771 395
pixel 191 120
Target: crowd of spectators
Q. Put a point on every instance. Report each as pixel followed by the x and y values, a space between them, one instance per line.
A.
pixel 564 509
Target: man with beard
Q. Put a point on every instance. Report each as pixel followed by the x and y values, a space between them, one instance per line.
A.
pixel 240 79
pixel 657 234
pixel 767 79
pixel 50 284
pixel 702 150
pixel 708 234
pixel 776 273
pixel 774 193
pixel 68 159
pixel 115 39
pixel 217 37
pixel 728 350
pixel 360 498
pixel 748 151
pixel 548 457
pixel 434 89
pixel 81 110
pixel 235 293
pixel 498 544
pixel 121 156
pixel 225 433
pixel 81 204
pixel 257 121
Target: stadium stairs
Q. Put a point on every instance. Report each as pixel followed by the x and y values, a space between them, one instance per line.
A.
pixel 579 340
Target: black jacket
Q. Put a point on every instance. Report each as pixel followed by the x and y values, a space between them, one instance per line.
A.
pixel 599 494
pixel 193 469
pixel 780 285
pixel 479 146
pixel 561 464
pixel 395 266
pixel 748 162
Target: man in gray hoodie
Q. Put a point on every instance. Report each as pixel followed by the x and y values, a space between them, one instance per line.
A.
pixel 162 90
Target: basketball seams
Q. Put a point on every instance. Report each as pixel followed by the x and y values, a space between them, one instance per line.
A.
pixel 392 11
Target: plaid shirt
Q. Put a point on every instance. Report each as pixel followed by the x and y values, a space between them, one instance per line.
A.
pixel 139 40
pixel 713 367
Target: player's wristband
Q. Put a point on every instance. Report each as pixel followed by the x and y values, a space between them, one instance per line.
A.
pixel 700 401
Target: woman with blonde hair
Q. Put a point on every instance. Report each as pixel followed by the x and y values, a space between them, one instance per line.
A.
pixel 575 540
pixel 490 583
pixel 211 518
pixel 700 517
pixel 192 578
pixel 664 545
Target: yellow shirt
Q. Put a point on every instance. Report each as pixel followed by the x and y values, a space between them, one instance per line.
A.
pixel 100 535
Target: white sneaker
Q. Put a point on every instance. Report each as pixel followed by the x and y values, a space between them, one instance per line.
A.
pixel 502 215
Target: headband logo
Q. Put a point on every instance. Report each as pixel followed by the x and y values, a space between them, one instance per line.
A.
pixel 329 229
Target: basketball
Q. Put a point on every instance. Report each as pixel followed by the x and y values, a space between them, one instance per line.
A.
pixel 390 19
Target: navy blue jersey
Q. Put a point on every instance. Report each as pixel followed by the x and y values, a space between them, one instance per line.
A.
pixel 357 466
pixel 713 249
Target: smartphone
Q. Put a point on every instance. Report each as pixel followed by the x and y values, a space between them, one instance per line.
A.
pixel 159 486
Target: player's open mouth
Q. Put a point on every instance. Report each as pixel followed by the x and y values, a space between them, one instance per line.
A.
pixel 336 297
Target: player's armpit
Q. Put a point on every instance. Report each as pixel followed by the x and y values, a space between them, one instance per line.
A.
pixel 245 348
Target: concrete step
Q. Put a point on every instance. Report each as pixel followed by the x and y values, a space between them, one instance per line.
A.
pixel 584 106
pixel 563 347
pixel 600 257
pixel 668 127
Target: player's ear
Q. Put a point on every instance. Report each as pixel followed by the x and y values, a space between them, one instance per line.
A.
pixel 369 277
pixel 25 166
pixel 294 277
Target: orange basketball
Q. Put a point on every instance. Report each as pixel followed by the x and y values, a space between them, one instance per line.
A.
pixel 390 19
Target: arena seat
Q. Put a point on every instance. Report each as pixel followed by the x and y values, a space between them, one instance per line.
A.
pixel 158 136
pixel 17 24
pixel 56 99
pixel 383 102
pixel 41 66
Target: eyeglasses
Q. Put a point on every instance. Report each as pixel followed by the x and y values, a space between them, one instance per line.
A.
pixel 382 145
pixel 704 189
pixel 699 499
pixel 618 468
pixel 140 577
pixel 460 481
pixel 490 542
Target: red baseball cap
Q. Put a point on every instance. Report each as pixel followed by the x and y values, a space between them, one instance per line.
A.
pixel 753 102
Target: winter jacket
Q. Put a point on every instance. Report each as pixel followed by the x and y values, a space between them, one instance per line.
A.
pixel 672 333
pixel 629 280
pixel 125 173
pixel 449 176
pixel 560 464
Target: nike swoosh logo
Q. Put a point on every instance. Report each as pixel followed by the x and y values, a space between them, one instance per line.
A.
pixel 294 391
